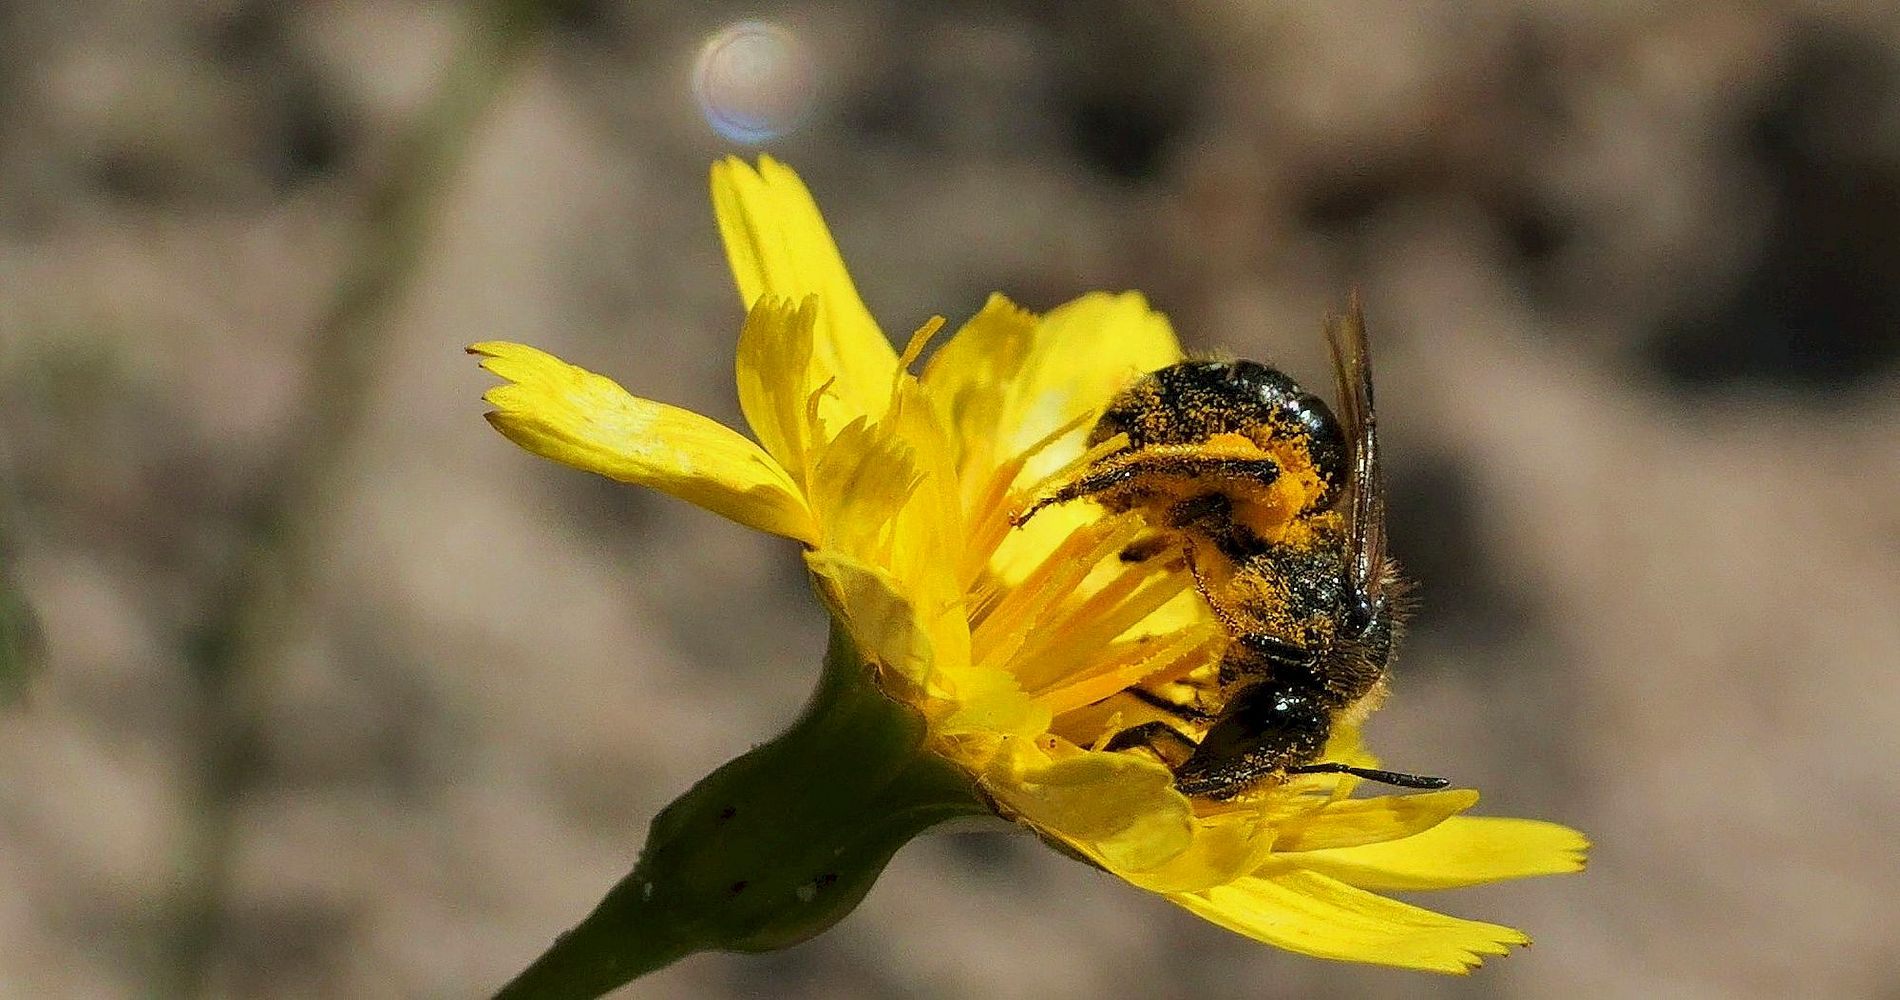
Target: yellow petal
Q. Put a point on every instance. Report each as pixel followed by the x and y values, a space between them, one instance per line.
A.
pixel 1084 352
pixel 1315 915
pixel 875 613
pixel 1011 378
pixel 778 245
pixel 1118 808
pixel 1352 822
pixel 1225 848
pixel 578 418
pixel 862 479
pixel 884 622
pixel 1463 850
pixel 775 378
pixel 990 702
pixel 930 540
pixel 968 381
pixel 882 493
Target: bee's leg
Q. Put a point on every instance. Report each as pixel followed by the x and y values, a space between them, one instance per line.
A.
pixel 1397 778
pixel 1179 711
pixel 1167 742
pixel 1229 622
pixel 1124 473
pixel 1108 474
pixel 1212 515
pixel 1146 547
pixel 1208 513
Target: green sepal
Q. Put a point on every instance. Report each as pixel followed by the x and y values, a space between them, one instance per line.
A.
pixel 772 848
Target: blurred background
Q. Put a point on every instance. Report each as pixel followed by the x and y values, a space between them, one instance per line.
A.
pixel 319 687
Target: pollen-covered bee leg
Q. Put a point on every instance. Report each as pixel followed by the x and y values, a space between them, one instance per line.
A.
pixel 1164 740
pixel 1232 625
pixel 1124 473
pixel 1396 778
pixel 1114 472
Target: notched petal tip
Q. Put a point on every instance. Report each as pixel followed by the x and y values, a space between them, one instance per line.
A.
pixel 1315 915
pixel 778 244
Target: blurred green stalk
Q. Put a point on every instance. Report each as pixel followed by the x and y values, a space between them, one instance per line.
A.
pixel 237 652
pixel 21 650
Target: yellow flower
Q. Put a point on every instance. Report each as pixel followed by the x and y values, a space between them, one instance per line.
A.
pixel 1014 643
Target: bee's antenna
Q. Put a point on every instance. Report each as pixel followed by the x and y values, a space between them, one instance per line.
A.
pixel 1396 778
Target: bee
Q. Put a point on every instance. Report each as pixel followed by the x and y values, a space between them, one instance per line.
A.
pixel 1279 510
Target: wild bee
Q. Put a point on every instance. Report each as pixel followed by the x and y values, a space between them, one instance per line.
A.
pixel 1279 510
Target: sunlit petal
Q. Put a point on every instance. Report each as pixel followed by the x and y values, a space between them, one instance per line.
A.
pixel 1084 352
pixel 971 381
pixel 776 380
pixel 578 418
pixel 881 620
pixel 1351 822
pixel 1224 848
pixel 1462 850
pixel 1119 808
pixel 778 244
pixel 1315 915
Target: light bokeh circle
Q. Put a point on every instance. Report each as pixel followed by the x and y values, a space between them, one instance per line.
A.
pixel 754 81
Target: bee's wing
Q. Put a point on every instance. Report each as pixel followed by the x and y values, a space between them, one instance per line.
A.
pixel 1365 491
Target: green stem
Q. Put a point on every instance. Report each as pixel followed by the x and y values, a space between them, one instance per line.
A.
pixel 770 849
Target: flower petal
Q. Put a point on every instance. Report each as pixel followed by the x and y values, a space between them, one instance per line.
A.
pixel 778 244
pixel 1315 915
pixel 990 702
pixel 880 621
pixel 969 379
pixel 578 418
pixel 776 379
pixel 1120 809
pixel 1352 822
pixel 1083 352
pixel 1225 848
pixel 884 622
pixel 1008 380
pixel 1463 850
pixel 883 493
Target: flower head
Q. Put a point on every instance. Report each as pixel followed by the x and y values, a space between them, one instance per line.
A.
pixel 1017 644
